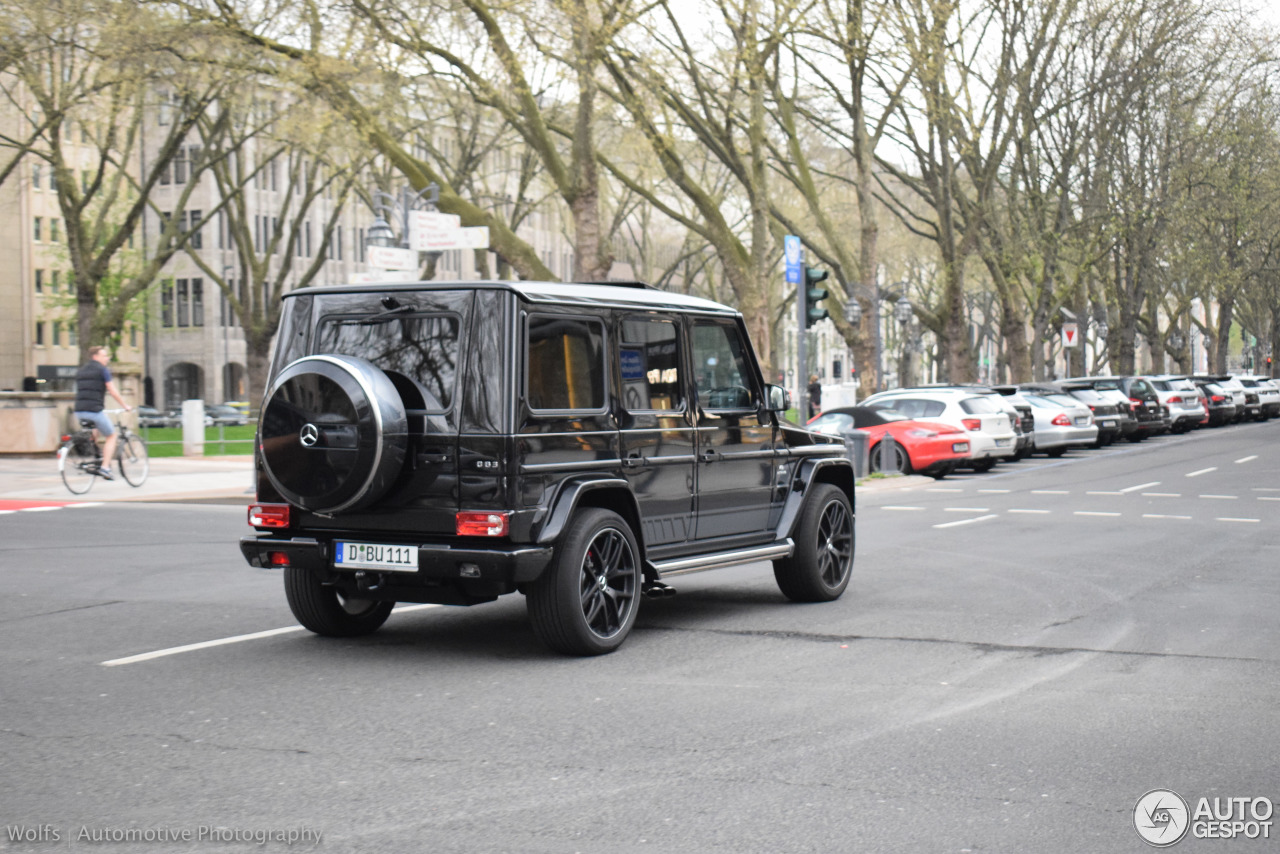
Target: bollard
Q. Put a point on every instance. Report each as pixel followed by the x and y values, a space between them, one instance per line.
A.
pixel 858 444
pixel 888 454
pixel 193 428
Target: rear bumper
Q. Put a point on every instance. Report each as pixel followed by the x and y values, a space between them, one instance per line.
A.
pixel 506 563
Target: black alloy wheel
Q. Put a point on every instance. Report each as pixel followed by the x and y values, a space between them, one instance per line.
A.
pixel 822 563
pixel 586 601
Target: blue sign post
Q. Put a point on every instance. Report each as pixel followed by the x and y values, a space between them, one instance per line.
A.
pixel 793 255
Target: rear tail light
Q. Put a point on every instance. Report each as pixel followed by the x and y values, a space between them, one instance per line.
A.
pixel 269 515
pixel 1217 398
pixel 1134 403
pixel 1175 399
pixel 65 439
pixel 1061 420
pixel 471 524
pixel 972 423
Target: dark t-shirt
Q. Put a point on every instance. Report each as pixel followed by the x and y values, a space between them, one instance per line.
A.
pixel 815 393
pixel 91 387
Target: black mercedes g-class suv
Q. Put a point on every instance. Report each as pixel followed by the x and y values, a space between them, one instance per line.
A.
pixel 451 442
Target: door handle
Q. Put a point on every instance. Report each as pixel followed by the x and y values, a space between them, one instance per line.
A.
pixel 710 456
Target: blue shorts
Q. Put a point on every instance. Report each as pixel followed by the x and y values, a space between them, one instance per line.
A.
pixel 100 420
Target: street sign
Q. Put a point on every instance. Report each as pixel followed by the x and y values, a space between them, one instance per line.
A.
pixel 440 240
pixel 793 255
pixel 392 258
pixel 1070 335
pixel 433 221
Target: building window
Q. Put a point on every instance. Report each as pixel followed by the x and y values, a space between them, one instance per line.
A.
pixel 166 302
pixel 184 303
pixel 197 302
pixel 56 339
pixel 180 166
pixel 35 177
pixel 133 335
pixel 86 177
pixel 38 232
pixel 54 276
pixel 39 281
pixel 73 334
pixel 53 179
pixel 307 229
pixel 194 218
pixel 163 117
pixel 39 334
pixel 55 230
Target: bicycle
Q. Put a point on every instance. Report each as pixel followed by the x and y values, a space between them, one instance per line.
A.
pixel 80 457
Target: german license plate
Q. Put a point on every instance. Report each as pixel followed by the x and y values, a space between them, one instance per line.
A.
pixel 1003 443
pixel 1081 421
pixel 375 556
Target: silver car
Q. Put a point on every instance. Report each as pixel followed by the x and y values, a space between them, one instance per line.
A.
pixel 1062 423
pixel 1184 399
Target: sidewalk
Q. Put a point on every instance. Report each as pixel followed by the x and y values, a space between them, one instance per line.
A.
pixel 222 480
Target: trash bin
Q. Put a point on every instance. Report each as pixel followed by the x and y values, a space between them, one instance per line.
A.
pixel 858 444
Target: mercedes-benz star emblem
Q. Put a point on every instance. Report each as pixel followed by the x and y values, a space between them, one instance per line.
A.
pixel 309 435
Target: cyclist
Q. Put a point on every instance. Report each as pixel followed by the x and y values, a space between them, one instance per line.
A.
pixel 93 384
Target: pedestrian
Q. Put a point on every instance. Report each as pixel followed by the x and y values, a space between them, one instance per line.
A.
pixel 93 384
pixel 815 396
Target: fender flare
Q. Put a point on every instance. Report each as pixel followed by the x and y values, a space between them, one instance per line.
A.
pixel 570 495
pixel 805 477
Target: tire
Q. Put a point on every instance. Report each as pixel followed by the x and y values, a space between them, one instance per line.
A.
pixel 1056 452
pixel 75 462
pixel 326 611
pixel 586 601
pixel 334 433
pixel 984 465
pixel 820 567
pixel 900 455
pixel 131 455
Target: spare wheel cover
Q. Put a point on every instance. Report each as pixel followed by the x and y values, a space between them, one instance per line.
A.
pixel 333 433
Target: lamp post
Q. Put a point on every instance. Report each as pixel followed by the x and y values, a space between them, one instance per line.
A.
pixel 381 232
pixel 902 312
pixel 1176 341
pixel 226 332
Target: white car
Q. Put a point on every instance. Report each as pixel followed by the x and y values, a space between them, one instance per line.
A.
pixel 1062 423
pixel 1268 395
pixel 1184 399
pixel 981 416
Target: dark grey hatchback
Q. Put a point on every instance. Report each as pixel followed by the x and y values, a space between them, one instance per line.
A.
pixel 581 444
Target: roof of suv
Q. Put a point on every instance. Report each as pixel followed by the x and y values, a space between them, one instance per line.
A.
pixel 624 294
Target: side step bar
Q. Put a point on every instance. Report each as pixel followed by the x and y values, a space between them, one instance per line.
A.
pixel 699 563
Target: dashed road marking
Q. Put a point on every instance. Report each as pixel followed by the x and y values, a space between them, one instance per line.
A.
pixel 1162 516
pixel 1029 511
pixel 1140 486
pixel 1202 471
pixel 1050 492
pixel 1094 513
pixel 995 491
pixel 1246 459
pixel 966 509
pixel 1230 519
pixel 965 521
pixel 192 647
pixel 1269 498
pixel 1162 495
pixel 1220 497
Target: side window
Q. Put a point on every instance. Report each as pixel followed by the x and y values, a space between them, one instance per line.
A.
pixel 649 355
pixel 566 363
pixel 932 409
pixel 721 373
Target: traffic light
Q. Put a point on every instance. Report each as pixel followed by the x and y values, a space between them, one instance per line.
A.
pixel 814 295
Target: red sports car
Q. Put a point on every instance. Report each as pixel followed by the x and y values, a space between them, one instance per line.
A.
pixel 920 446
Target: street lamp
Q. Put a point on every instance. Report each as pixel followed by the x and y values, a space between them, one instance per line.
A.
pixel 381 233
pixel 1176 340
pixel 852 311
pixel 902 311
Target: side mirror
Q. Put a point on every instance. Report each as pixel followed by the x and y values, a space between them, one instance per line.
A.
pixel 777 398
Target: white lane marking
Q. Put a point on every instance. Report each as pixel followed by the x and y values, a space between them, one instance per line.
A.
pixel 1140 486
pixel 1266 489
pixel 995 491
pixel 7 512
pixel 899 507
pixel 1050 492
pixel 85 504
pixel 1093 513
pixel 1036 512
pixel 1221 497
pixel 192 647
pixel 39 509
pixel 1246 459
pixel 1230 519
pixel 965 521
pixel 1162 495
pixel 1159 516
pixel 1104 493
pixel 1202 471
pixel 965 509
pixel 1269 497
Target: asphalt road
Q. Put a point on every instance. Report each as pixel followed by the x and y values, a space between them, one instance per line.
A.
pixel 1020 657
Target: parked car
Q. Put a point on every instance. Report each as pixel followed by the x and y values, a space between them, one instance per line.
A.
pixel 1025 425
pixel 222 415
pixel 1183 399
pixel 1219 405
pixel 1150 415
pixel 1112 411
pixel 453 442
pixel 1268 395
pixel 152 418
pixel 983 418
pixel 1244 408
pixel 926 447
pixel 1062 423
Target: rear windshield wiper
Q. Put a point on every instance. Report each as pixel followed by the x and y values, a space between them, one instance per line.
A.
pixel 389 314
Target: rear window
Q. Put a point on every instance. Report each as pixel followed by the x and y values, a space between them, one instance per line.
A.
pixel 419 346
pixel 912 407
pixel 981 406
